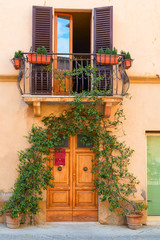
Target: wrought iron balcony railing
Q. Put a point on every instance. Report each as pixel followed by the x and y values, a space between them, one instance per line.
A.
pixel 65 73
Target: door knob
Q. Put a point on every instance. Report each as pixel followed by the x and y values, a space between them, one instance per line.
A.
pixel 85 169
pixel 74 174
pixel 60 168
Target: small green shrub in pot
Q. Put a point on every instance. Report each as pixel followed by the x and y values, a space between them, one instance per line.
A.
pixel 101 51
pixel 17 59
pixel 40 57
pixel 18 54
pixel 109 58
pixel 114 51
pixel 127 58
pixel 133 212
pixel 108 51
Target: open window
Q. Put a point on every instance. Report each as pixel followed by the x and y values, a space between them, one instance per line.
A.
pixel 72 38
pixel 72 41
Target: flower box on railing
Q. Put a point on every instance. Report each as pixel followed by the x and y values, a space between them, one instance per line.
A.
pixel 39 58
pixel 128 63
pixel 17 63
pixel 107 59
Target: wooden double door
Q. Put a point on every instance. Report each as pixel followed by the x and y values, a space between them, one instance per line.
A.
pixel 73 198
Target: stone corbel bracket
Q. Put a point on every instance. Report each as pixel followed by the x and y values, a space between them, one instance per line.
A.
pixel 107 109
pixel 37 100
pixel 37 109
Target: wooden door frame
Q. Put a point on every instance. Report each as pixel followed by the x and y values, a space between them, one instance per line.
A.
pixel 73 212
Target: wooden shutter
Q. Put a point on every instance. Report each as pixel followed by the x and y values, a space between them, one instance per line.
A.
pixel 103 38
pixel 41 36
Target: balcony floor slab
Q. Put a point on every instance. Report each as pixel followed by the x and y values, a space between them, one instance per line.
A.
pixel 36 100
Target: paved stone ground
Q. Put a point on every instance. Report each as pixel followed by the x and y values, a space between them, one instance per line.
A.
pixel 79 231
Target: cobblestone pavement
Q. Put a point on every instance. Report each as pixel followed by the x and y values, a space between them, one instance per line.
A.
pixel 78 231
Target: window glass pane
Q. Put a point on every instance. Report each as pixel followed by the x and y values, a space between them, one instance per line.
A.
pixel 64 142
pixel 63 41
pixel 85 144
pixel 153 175
pixel 63 34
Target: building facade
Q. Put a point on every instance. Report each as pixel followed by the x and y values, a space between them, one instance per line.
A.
pixel 77 29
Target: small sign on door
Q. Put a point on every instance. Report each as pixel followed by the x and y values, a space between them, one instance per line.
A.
pixel 60 157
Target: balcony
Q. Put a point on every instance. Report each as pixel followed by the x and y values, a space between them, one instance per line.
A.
pixel 58 78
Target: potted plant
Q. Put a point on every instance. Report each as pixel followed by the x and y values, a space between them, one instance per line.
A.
pixel 127 58
pixel 109 58
pixel 40 57
pixel 17 60
pixel 33 177
pixel 133 212
pixel 12 212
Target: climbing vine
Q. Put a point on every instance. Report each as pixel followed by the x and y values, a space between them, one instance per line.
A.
pixel 110 164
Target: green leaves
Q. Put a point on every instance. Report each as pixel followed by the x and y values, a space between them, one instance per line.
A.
pixel 41 50
pixel 18 54
pixel 110 164
pixel 101 51
pixel 126 55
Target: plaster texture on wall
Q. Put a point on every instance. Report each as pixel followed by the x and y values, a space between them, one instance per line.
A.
pixel 17 119
pixel 135 28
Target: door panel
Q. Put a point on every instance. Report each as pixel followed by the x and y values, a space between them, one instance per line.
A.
pixel 61 178
pixel 153 175
pixel 85 198
pixel 83 169
pixel 73 198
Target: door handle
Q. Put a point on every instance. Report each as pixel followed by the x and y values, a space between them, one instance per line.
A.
pixel 74 174
pixel 149 201
pixel 85 169
pixel 59 168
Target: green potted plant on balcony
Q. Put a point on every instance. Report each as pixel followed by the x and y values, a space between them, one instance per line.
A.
pixel 109 58
pixel 17 59
pixel 127 58
pixel 40 57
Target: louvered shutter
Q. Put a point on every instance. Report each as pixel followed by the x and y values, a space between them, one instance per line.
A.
pixel 103 38
pixel 41 36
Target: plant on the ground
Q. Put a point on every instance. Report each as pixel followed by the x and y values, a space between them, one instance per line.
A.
pixel 133 208
pixel 33 176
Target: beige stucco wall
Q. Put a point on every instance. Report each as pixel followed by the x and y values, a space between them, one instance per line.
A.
pixel 136 27
pixel 17 118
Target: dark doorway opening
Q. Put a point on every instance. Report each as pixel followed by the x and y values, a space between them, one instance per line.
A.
pixel 81 44
pixel 81 32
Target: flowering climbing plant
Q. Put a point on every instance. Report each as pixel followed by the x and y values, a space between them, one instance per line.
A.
pixel 113 183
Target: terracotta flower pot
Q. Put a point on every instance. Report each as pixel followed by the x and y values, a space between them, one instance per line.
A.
pixel 107 59
pixel 39 59
pixel 12 222
pixel 17 63
pixel 128 63
pixel 134 221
